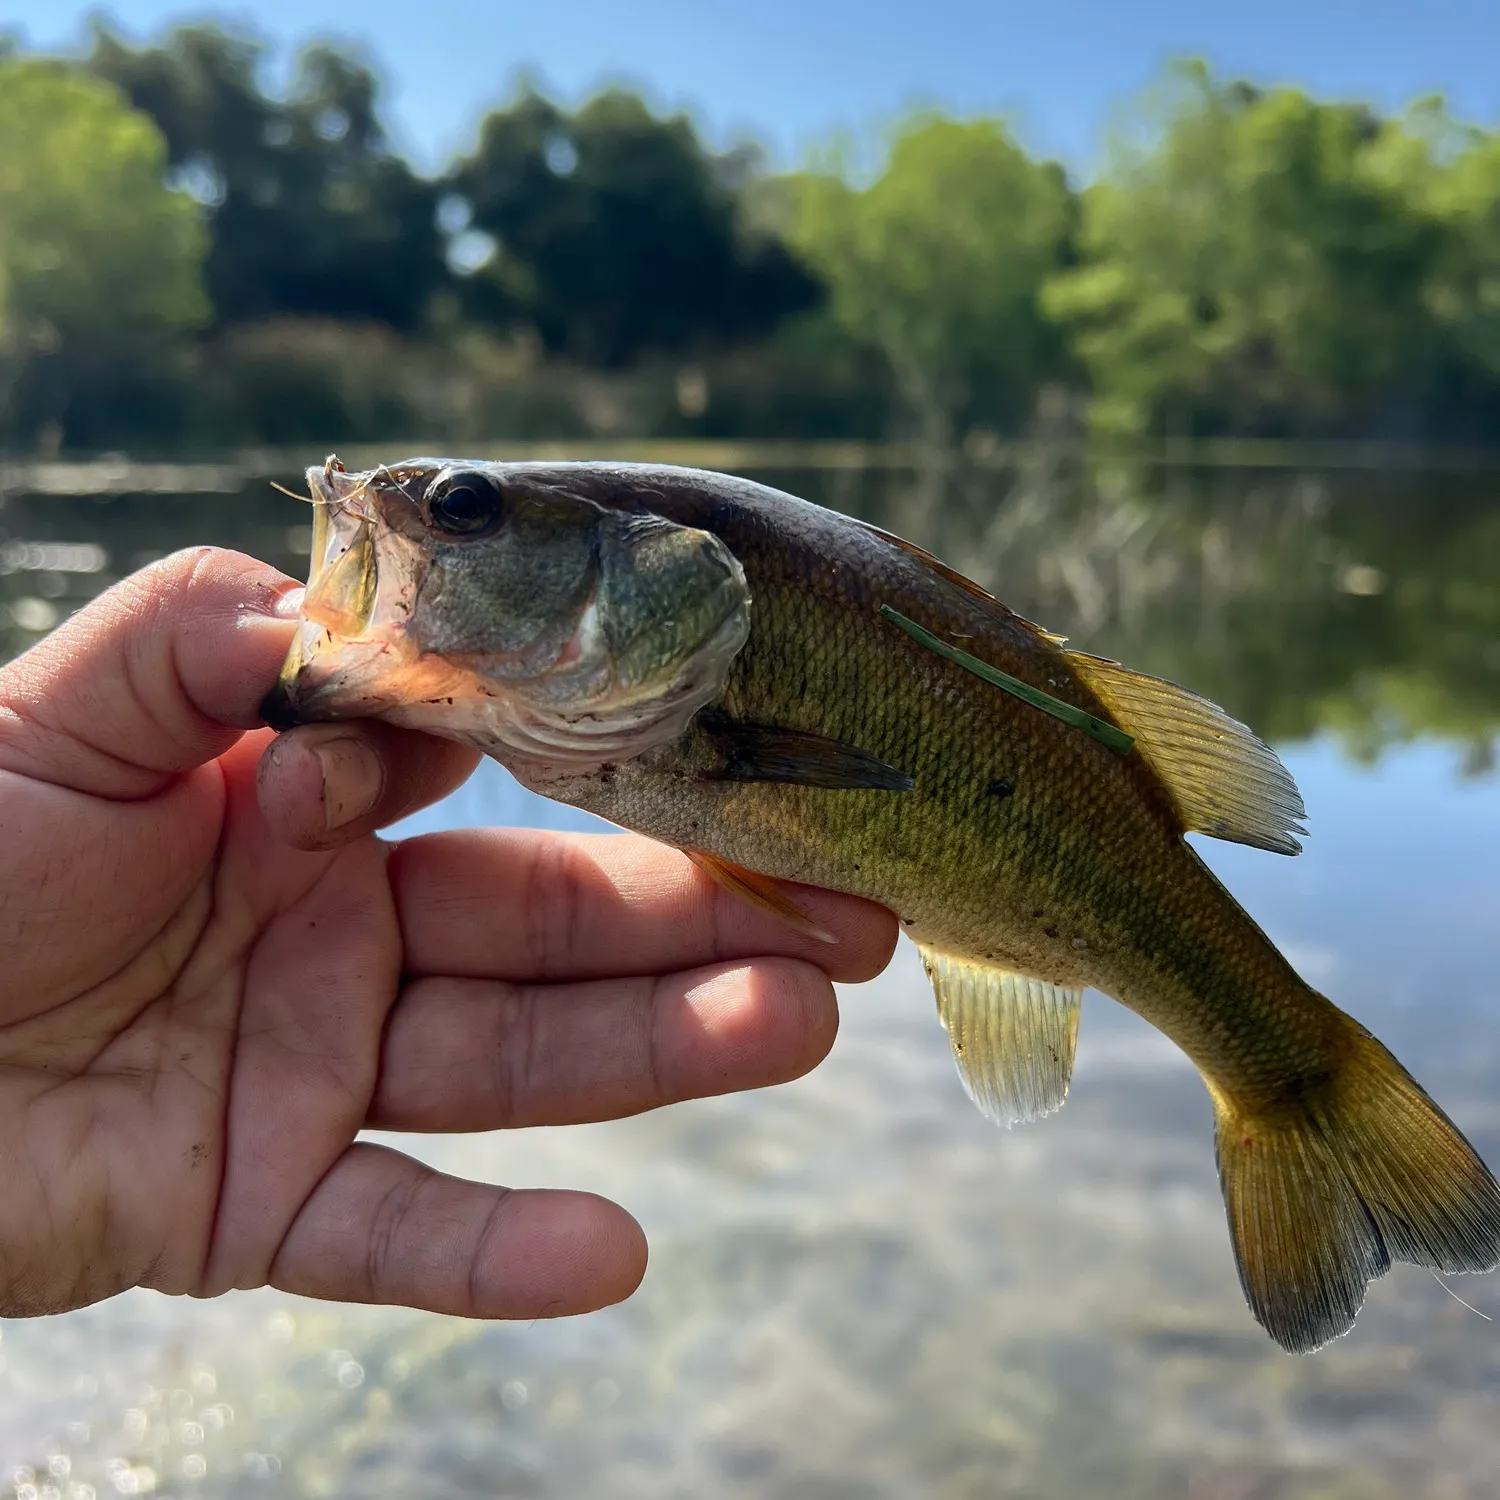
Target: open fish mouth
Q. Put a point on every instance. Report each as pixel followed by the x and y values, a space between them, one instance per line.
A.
pixel 517 616
pixel 346 653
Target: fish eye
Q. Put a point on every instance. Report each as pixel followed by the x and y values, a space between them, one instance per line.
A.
pixel 465 504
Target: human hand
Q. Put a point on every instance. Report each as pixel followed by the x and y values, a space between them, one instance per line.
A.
pixel 197 1017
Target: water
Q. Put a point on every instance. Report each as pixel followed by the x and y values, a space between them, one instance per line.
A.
pixel 858 1287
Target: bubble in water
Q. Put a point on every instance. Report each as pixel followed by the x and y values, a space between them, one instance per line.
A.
pixel 203 1380
pixel 350 1374
pixel 190 1434
pixel 514 1395
pixel 59 1465
pixel 194 1466
pixel 281 1326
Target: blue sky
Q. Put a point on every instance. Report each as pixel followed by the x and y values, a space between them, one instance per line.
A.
pixel 791 71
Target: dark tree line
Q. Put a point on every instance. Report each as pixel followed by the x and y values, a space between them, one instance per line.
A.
pixel 189 257
pixel 614 234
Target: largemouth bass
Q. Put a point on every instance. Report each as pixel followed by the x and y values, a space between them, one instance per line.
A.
pixel 791 695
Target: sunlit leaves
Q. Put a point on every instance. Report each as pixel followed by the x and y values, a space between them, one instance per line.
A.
pixel 93 246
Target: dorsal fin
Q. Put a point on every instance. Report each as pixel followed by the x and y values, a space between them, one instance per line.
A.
pixel 1013 1036
pixel 1224 780
pixel 967 585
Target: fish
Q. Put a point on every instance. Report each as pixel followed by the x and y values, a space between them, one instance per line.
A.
pixel 791 695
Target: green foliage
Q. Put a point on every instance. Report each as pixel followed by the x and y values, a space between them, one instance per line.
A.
pixel 939 263
pixel 1455 175
pixel 311 212
pixel 1256 268
pixel 1252 263
pixel 99 261
pixel 618 236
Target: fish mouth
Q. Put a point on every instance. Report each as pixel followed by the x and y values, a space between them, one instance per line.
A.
pixel 337 645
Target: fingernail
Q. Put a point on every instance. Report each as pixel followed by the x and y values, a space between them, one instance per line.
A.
pixel 288 604
pixel 353 779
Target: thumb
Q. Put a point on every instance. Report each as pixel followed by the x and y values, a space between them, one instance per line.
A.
pixel 160 673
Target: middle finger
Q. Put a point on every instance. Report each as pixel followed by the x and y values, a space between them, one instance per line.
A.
pixel 471 1054
pixel 526 905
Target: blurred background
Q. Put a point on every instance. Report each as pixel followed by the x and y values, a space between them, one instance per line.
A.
pixel 1177 326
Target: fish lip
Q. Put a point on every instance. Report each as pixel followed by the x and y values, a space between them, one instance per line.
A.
pixel 331 485
pixel 279 709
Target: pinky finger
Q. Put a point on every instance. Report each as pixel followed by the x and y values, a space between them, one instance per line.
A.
pixel 381 1227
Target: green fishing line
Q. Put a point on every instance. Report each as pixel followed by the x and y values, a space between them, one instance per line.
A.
pixel 1107 734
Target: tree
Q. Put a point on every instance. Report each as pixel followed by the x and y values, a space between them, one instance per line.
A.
pixel 1454 173
pixel 1254 267
pixel 311 212
pixel 617 236
pixel 940 262
pixel 99 261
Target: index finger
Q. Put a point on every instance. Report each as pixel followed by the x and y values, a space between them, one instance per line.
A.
pixel 520 904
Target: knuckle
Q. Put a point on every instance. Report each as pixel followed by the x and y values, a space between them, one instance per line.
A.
pixel 551 916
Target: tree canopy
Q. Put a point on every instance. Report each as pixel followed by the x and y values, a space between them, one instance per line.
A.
pixel 1251 262
pixel 310 212
pixel 99 260
pixel 1259 265
pixel 939 263
pixel 617 235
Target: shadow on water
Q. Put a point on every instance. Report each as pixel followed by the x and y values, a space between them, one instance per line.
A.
pixel 860 1288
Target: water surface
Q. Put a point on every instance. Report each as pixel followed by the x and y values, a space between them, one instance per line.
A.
pixel 859 1288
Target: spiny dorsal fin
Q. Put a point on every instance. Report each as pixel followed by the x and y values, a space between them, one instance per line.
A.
pixel 1013 1036
pixel 1224 780
pixel 974 590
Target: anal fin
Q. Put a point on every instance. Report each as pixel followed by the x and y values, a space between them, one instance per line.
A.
pixel 1013 1036
pixel 758 890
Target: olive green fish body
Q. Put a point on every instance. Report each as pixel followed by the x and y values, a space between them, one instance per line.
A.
pixel 787 693
pixel 1022 843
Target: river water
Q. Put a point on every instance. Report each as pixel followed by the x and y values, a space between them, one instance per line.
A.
pixel 858 1287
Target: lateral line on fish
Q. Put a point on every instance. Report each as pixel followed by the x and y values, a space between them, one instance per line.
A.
pixel 1096 728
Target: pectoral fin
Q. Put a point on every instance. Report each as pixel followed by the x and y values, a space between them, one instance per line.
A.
pixel 766 752
pixel 758 890
pixel 1013 1036
pixel 1223 779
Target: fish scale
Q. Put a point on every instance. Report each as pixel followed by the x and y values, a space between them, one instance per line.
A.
pixel 834 707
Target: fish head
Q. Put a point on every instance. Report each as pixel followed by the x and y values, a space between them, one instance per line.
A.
pixel 510 607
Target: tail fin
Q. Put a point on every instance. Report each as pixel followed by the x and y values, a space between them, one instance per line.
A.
pixel 1325 1191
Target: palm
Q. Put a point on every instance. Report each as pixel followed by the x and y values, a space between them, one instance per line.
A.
pixel 196 1020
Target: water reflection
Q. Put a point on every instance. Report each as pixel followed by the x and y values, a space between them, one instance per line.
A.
pixel 859 1288
pixel 1359 604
